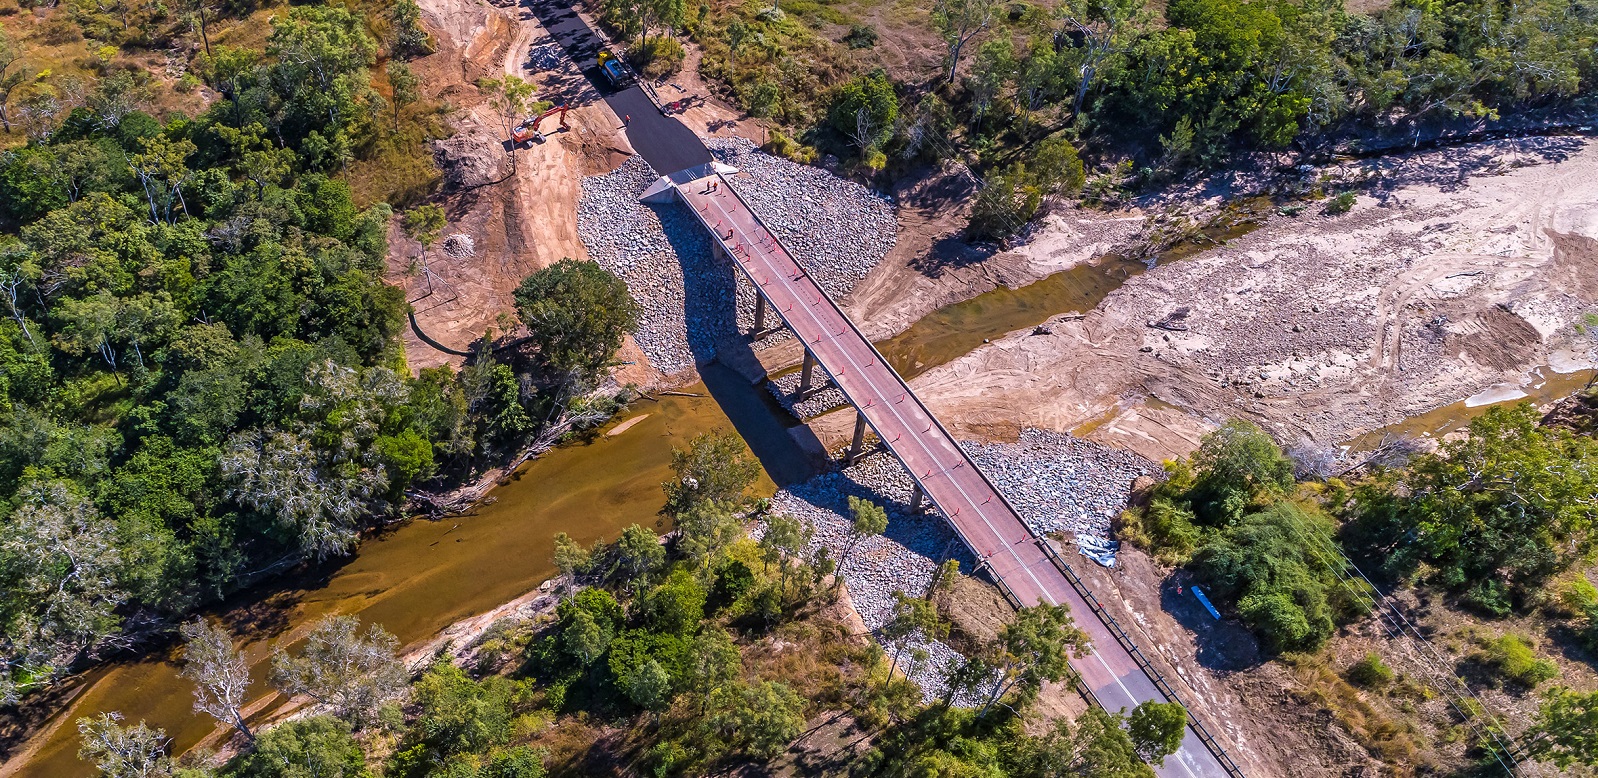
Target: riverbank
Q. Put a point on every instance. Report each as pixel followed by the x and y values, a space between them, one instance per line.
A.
pixel 416 579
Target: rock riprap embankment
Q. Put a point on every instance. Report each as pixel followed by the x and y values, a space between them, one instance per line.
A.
pixel 1057 482
pixel 690 302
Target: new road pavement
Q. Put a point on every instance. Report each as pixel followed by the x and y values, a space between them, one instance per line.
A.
pixel 983 518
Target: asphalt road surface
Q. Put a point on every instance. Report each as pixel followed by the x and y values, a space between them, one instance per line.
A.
pixel 665 143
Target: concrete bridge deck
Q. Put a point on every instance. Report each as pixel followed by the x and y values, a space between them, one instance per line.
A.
pixel 988 524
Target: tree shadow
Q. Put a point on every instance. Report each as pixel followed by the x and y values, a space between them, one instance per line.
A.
pixel 948 253
pixel 1222 646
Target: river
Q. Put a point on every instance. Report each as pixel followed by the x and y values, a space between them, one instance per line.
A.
pixel 424 575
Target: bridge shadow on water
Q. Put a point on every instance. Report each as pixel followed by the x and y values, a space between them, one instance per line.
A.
pixel 788 449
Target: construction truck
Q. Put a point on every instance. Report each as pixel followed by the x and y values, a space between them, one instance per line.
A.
pixel 616 71
pixel 528 130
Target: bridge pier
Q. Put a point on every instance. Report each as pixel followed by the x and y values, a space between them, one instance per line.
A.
pixel 859 441
pixel 806 372
pixel 760 314
pixel 917 499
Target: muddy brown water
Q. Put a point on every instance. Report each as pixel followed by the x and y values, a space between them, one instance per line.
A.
pixel 1541 386
pixel 424 575
pixel 955 330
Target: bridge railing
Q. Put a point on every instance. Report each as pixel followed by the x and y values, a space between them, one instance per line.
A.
pixel 1143 663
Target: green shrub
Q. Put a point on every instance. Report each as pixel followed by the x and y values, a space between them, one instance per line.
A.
pixel 661 56
pixel 1341 204
pixel 1489 597
pixel 1512 657
pixel 322 740
pixel 783 146
pixel 1577 596
pixel 1274 564
pixel 861 36
pixel 1164 529
pixel 1370 672
pixel 734 579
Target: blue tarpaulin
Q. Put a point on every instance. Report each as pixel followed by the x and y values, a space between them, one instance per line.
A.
pixel 1205 601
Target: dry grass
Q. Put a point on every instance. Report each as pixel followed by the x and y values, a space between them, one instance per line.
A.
pixel 1393 740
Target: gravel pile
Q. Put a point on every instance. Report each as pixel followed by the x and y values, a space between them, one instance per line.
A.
pixel 837 229
pixel 1061 483
pixel 786 389
pixel 1056 481
pixel 691 303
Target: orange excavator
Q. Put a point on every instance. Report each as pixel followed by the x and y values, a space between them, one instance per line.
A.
pixel 528 130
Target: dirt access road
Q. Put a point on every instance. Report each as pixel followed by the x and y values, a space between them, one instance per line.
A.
pixel 515 218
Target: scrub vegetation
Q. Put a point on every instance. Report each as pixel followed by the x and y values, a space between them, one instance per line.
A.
pixel 1497 523
pixel 707 653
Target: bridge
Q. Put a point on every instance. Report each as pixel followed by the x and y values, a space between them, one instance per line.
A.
pixel 1114 673
pixel 1028 569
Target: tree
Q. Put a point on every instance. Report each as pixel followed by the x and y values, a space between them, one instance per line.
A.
pixel 353 674
pixel 459 715
pixel 639 553
pixel 1506 507
pixel 405 25
pixel 677 606
pixel 865 108
pixel 1035 647
pixel 403 84
pixel 911 616
pixel 317 747
pixel 60 568
pixel 423 224
pixel 958 21
pixel 759 719
pixel 1235 465
pixel 571 558
pixel 198 8
pixel 1566 729
pixel 785 538
pixel 666 13
pixel 138 751
pixel 576 314
pixel 649 687
pixel 220 673
pixel 1056 167
pixel 705 530
pixel 870 520
pixel 994 66
pixel 1283 567
pixel 280 474
pixel 715 468
pixel 1096 745
pixel 510 96
pixel 585 638
pixel 1157 729
pixel 1104 28
pixel 713 662
pixel 12 73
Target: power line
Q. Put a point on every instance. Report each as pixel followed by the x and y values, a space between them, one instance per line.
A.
pixel 1493 729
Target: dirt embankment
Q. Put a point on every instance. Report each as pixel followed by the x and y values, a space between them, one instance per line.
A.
pixel 1456 270
pixel 507 217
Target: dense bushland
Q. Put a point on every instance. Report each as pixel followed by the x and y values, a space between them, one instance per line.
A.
pixel 201 380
